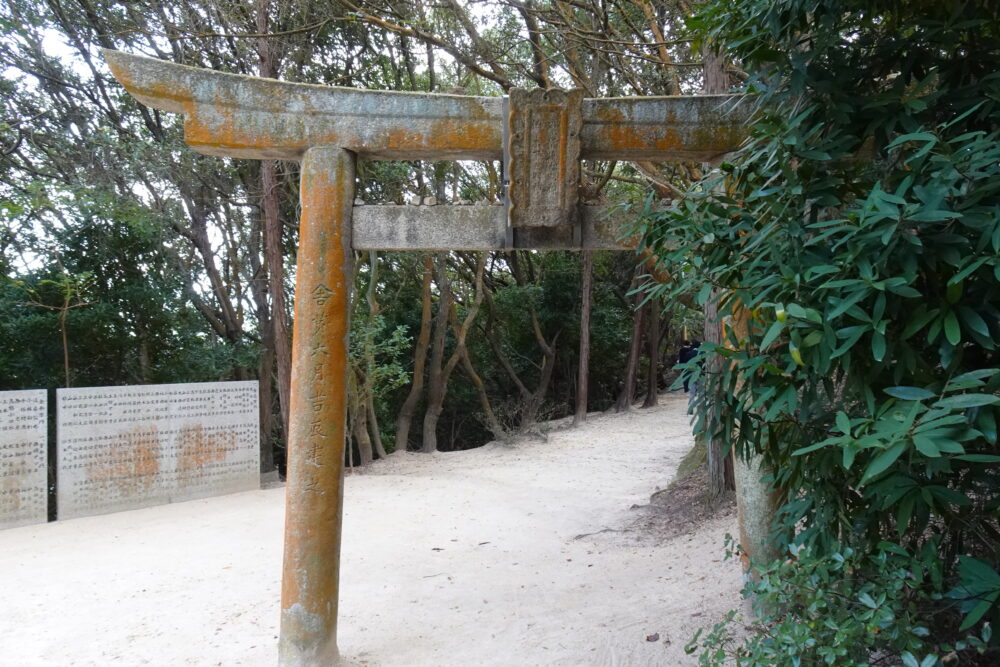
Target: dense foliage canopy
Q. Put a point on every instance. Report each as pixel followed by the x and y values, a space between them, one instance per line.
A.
pixel 854 245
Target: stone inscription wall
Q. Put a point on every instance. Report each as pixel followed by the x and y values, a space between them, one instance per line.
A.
pixel 23 458
pixel 122 448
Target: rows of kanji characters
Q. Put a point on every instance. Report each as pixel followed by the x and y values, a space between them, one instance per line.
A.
pixel 23 472
pixel 120 448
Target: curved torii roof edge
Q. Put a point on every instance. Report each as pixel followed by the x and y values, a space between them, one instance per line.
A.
pixel 235 115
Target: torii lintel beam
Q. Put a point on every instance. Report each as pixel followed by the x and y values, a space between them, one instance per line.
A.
pixel 233 115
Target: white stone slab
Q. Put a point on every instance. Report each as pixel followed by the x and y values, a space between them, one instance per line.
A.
pixel 23 458
pixel 122 448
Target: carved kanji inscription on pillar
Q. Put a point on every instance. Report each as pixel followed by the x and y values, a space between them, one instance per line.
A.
pixel 544 152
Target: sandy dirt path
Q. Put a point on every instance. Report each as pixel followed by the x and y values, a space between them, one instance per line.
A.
pixel 518 554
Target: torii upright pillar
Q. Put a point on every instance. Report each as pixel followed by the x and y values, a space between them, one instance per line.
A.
pixel 541 135
pixel 318 415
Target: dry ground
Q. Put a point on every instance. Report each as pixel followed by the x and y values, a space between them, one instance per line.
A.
pixel 537 553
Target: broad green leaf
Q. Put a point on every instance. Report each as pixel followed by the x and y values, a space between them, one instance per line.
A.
pixel 950 496
pixel 848 344
pixel 910 393
pixel 979 374
pixel 773 332
pixel 843 423
pixel 986 422
pixel 795 310
pixel 977 574
pixel 913 136
pixel 878 347
pixel 847 459
pixel 949 446
pixel 977 612
pixel 967 271
pixel 905 291
pixel 813 447
pixel 951 329
pixel 967 401
pixel 904 512
pixel 928 215
pixel 974 321
pixel 844 304
pixel 882 462
pixel 926 446
pixel 703 294
pixel 978 458
pixel 918 321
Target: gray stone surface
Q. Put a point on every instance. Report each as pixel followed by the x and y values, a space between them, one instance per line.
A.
pixel 23 458
pixel 700 128
pixel 121 448
pixel 249 117
pixel 544 154
pixel 483 227
pixel 428 227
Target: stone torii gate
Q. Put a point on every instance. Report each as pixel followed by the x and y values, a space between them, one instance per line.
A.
pixel 541 135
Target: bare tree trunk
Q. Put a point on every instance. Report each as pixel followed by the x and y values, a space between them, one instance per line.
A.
pixel 273 228
pixel 714 68
pixel 653 352
pixel 539 59
pixel 583 370
pixel 258 289
pixel 370 363
pixel 359 421
pixel 720 466
pixel 716 460
pixel 440 373
pixel 492 422
pixel 627 394
pixel 409 407
pixel 276 287
pixel 65 338
pixel 145 366
pixel 532 400
pixel 435 372
pixel 530 415
pixel 373 427
pixel 266 398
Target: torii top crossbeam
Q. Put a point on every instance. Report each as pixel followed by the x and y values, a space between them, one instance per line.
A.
pixel 233 115
pixel 541 135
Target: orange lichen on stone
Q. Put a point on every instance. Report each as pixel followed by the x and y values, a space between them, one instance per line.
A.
pixel 196 449
pixel 621 134
pixel 240 116
pixel 132 464
pixel 317 417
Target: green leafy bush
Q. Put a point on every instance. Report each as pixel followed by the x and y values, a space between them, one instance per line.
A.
pixel 858 236
pixel 842 608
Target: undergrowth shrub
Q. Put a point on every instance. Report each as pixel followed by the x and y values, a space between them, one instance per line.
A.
pixel 853 247
pixel 844 607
